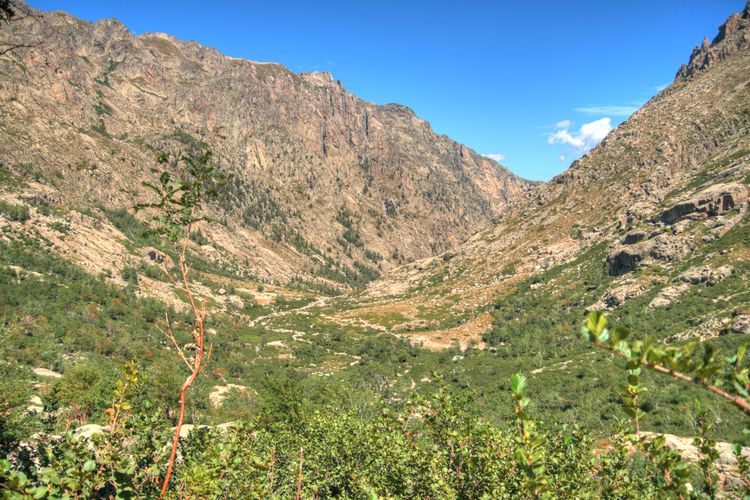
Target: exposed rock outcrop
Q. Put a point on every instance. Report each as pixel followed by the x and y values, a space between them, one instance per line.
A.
pixel 617 296
pixel 668 295
pixel 711 202
pixel 741 324
pixel 725 463
pixel 44 372
pixel 733 36
pixel 626 258
pixel 221 392
pixel 705 274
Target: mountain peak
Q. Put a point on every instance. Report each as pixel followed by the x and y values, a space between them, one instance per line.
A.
pixel 733 36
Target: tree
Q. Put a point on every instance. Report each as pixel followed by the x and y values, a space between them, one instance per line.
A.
pixel 12 12
pixel 174 215
pixel 6 10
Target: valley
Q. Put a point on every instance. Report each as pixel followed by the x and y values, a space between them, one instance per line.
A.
pixel 356 264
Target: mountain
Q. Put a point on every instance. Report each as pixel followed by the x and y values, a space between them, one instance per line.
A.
pixel 640 216
pixel 325 188
pixel 412 385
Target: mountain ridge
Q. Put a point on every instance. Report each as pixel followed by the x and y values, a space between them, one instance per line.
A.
pixel 305 153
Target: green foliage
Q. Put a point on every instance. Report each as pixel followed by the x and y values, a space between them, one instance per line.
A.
pixel 695 363
pixel 85 389
pixel 437 448
pixel 18 213
pixel 261 208
pixel 179 197
pixel 373 256
pixel 199 238
pixel 60 227
pixel 6 10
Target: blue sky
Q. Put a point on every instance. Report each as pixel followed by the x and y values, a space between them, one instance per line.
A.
pixel 534 82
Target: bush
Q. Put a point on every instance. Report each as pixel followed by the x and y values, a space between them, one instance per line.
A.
pixel 18 213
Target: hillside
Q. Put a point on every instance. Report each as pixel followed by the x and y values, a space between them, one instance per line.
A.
pixel 326 187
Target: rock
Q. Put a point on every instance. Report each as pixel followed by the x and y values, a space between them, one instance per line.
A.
pixel 226 426
pixel 667 247
pixel 89 430
pixel 188 429
pixel 152 255
pixel 732 37
pixel 637 212
pixel 617 296
pixel 36 405
pixel 211 253
pixel 634 237
pixel 741 324
pixel 296 135
pixel 705 275
pixel 43 372
pixel 626 258
pixel 680 226
pixel 725 463
pixel 659 301
pixel 44 197
pixel 220 393
pixel 668 295
pixel 710 202
pixel 279 344
pixel 235 301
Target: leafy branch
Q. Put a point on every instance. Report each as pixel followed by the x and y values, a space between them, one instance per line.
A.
pixel 174 215
pixel 684 363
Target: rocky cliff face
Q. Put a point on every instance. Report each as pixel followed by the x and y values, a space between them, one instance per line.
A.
pixel 325 185
pixel 733 36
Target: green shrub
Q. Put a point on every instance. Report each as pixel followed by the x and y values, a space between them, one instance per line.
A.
pixel 18 213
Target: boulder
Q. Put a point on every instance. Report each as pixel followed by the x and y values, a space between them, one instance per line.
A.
pixel 152 255
pixel 668 295
pixel 710 202
pixel 43 372
pixel 705 274
pixel 35 406
pixel 188 429
pixel 617 296
pixel 725 463
pixel 89 430
pixel 626 258
pixel 221 392
pixel 634 237
pixel 741 324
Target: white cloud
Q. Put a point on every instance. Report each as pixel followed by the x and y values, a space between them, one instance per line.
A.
pixel 589 135
pixel 562 158
pixel 495 156
pixel 563 124
pixel 609 110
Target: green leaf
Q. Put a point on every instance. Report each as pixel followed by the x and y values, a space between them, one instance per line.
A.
pixel 596 323
pixel 518 383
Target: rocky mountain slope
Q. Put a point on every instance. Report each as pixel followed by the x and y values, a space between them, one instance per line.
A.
pixel 326 187
pixel 662 190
